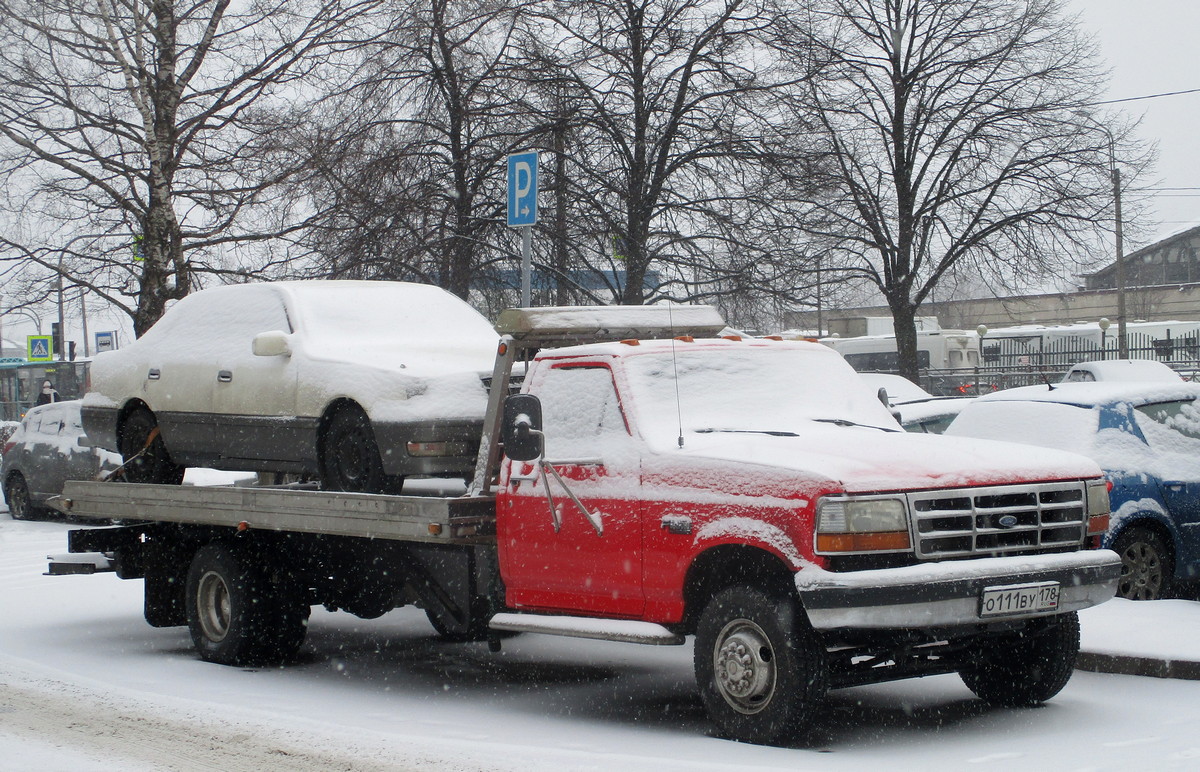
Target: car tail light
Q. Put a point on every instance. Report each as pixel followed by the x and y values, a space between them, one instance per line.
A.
pixel 7 447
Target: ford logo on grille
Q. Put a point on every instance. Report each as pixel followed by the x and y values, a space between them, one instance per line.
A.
pixel 1007 521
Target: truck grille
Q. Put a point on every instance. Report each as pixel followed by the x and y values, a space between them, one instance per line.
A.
pixel 1000 520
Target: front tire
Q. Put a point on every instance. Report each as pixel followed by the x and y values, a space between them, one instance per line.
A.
pixel 350 458
pixel 1146 564
pixel 239 612
pixel 1028 667
pixel 154 465
pixel 760 668
pixel 16 493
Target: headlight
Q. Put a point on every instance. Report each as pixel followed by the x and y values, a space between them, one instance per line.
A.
pixel 862 525
pixel 1098 507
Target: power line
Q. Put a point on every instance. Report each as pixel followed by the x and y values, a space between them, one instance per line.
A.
pixel 1147 96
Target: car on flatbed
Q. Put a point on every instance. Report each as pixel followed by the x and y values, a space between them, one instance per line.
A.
pixel 358 383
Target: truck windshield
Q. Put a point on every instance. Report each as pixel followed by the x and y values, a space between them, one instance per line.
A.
pixel 776 390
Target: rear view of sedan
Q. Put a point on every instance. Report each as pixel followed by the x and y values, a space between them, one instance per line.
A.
pixel 360 383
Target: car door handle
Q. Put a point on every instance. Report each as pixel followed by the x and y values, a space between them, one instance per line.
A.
pixel 154 374
pixel 225 376
pixel 1173 485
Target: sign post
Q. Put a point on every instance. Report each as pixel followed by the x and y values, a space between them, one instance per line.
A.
pixel 522 211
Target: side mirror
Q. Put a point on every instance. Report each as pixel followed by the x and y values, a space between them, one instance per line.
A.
pixel 521 430
pixel 882 396
pixel 274 343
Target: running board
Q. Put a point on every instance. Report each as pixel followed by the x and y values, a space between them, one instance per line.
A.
pixel 628 631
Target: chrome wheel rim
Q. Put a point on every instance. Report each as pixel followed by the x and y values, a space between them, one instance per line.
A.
pixel 214 606
pixel 1141 572
pixel 744 666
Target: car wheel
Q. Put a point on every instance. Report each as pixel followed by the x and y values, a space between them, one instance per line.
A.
pixel 1146 564
pixel 241 613
pixel 760 669
pixel 144 452
pixel 1028 667
pixel 350 456
pixel 16 493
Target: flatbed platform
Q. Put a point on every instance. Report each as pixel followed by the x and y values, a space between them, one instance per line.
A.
pixel 435 519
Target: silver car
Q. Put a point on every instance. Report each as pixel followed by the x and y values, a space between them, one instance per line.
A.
pixel 46 451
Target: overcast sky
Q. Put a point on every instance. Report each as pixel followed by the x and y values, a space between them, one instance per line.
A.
pixel 1151 48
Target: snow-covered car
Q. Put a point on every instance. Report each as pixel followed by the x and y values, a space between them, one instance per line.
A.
pixel 45 451
pixel 1140 370
pixel 362 383
pixel 917 409
pixel 1146 438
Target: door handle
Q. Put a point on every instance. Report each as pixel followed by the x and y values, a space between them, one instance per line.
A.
pixel 1173 485
pixel 154 374
pixel 225 376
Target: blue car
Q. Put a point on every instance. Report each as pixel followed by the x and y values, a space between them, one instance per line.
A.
pixel 1146 438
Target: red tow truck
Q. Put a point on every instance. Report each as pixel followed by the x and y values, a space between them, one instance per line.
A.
pixel 651 482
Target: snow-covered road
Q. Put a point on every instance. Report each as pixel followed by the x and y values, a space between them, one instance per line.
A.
pixel 86 684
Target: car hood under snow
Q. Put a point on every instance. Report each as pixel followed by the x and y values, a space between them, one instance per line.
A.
pixel 866 460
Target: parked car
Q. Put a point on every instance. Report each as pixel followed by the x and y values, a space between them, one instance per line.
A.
pixel 45 451
pixel 1146 437
pixel 917 409
pixel 309 377
pixel 1140 370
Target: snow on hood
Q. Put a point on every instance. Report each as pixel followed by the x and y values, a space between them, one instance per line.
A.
pixel 868 460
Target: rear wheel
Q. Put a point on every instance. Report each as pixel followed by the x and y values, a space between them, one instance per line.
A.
pixel 140 435
pixel 1028 667
pixel 350 458
pixel 241 613
pixel 16 493
pixel 1146 564
pixel 761 670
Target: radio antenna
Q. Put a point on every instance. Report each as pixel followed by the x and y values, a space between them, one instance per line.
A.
pixel 675 369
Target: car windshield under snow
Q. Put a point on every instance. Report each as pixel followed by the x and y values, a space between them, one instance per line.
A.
pixel 776 392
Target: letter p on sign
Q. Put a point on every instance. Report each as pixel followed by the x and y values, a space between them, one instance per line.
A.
pixel 522 188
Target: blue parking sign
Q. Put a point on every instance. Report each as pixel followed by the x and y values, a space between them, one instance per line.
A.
pixel 522 188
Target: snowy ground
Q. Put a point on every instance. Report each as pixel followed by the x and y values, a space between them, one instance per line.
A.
pixel 85 684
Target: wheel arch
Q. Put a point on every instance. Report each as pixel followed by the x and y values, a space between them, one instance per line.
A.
pixel 130 407
pixel 1156 523
pixel 332 409
pixel 726 565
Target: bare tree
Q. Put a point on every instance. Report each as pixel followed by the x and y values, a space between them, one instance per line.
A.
pixel 415 181
pixel 959 140
pixel 137 143
pixel 671 104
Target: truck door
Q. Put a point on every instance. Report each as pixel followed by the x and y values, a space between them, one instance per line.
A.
pixel 584 555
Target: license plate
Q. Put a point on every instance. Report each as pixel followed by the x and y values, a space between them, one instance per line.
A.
pixel 1018 599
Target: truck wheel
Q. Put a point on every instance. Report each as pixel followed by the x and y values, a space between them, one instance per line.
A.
pixel 350 456
pixel 16 493
pixel 760 669
pixel 238 613
pixel 1028 667
pixel 154 465
pixel 1146 564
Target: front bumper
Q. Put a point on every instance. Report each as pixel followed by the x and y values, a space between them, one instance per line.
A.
pixel 949 593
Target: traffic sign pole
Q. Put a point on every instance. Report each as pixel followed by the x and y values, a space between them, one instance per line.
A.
pixel 526 265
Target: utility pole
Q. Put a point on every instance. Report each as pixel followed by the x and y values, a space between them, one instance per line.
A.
pixel 1122 341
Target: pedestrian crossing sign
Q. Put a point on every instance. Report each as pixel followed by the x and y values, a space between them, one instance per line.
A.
pixel 39 348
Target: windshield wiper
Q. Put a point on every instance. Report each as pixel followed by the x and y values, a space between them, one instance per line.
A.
pixel 773 433
pixel 845 422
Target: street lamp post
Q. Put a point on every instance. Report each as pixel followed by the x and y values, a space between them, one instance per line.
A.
pixel 1104 325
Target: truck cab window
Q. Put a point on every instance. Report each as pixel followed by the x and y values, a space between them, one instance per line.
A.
pixel 579 412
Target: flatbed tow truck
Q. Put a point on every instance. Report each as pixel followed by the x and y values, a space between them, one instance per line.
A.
pixel 653 482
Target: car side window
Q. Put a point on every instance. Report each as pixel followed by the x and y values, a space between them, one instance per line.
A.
pixel 1172 425
pixel 211 325
pixel 581 415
